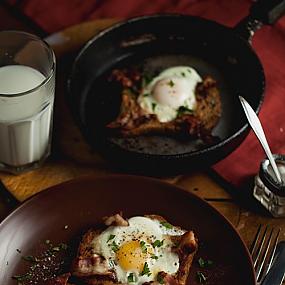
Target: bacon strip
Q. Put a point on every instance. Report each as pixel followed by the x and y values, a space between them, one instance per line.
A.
pixel 115 220
pixel 168 279
pixel 186 249
pixel 188 243
pixel 90 266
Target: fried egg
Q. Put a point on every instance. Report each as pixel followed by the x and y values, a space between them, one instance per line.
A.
pixel 136 253
pixel 172 89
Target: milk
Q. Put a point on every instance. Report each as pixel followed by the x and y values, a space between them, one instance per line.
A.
pixel 25 120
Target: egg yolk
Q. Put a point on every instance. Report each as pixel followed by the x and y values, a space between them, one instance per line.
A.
pixel 132 256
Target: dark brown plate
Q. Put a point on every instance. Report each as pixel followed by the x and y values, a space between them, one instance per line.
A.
pixel 62 213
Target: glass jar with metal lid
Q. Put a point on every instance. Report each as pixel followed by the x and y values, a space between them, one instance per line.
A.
pixel 267 190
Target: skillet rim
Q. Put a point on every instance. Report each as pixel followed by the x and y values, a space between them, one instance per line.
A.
pixel 211 148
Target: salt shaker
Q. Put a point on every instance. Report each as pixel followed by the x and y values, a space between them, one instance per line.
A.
pixel 267 190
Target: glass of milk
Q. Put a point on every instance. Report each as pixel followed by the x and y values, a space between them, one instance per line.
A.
pixel 27 82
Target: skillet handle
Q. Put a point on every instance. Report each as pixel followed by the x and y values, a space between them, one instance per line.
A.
pixel 262 12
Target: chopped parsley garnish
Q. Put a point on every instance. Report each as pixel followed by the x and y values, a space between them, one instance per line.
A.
pixel 189 70
pixel 166 225
pixel 143 247
pixel 170 83
pixel 154 256
pixel 210 262
pixel 21 278
pixel 201 262
pixel 131 278
pixel 112 263
pixel 183 74
pixel 145 94
pixel 63 246
pixel 56 248
pixel 114 246
pixel 111 237
pixel 157 243
pixel 30 258
pixel 153 106
pixel 146 79
pixel 184 110
pixel 201 277
pixel 160 279
pixel 204 263
pixel 145 270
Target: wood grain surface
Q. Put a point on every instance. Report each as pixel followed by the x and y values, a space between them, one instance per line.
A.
pixel 72 157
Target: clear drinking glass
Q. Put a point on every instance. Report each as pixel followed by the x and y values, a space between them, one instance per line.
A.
pixel 27 82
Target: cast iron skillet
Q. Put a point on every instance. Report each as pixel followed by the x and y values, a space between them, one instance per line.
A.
pixel 157 42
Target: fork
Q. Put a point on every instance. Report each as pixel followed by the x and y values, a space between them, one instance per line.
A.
pixel 263 249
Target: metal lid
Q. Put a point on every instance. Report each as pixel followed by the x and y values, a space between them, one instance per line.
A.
pixel 269 181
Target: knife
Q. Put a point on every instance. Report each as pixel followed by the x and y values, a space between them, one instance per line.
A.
pixel 276 274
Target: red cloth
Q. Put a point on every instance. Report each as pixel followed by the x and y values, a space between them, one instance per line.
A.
pixel 54 15
pixel 269 44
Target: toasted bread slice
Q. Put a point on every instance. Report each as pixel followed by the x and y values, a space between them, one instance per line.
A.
pixel 93 269
pixel 134 121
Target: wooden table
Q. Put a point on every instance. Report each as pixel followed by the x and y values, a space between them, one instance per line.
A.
pixel 72 157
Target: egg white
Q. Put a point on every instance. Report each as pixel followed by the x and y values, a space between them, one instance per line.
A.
pixel 171 89
pixel 146 230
